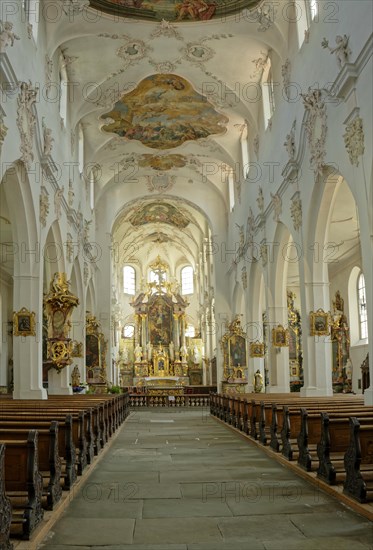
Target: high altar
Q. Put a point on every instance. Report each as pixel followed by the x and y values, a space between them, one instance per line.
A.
pixel 161 354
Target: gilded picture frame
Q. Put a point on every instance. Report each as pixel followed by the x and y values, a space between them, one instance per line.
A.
pixel 280 337
pixel 257 349
pixel 319 323
pixel 24 323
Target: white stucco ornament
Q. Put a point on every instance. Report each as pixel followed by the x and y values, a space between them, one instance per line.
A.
pixel 354 140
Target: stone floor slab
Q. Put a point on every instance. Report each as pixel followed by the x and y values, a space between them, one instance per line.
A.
pixel 184 508
pixel 179 530
pixel 100 532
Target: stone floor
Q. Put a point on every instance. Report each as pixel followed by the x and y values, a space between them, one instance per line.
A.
pixel 177 480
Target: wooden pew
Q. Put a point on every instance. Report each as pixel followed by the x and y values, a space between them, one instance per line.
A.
pixel 358 461
pixel 334 442
pixel 48 455
pixel 24 484
pixel 5 506
pixel 54 411
pixel 77 431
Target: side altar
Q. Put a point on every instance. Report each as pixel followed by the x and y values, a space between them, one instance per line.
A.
pixel 160 352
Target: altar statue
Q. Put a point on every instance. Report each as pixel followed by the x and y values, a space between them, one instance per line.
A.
pixel 172 351
pixel 195 355
pixel 75 376
pixel 138 353
pixel 183 353
pixel 258 381
pixel 149 350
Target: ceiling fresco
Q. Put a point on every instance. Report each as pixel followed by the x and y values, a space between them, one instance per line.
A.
pixel 163 112
pixel 163 163
pixel 173 10
pixel 159 212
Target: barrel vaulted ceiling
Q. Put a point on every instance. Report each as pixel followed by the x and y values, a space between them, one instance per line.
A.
pixel 162 103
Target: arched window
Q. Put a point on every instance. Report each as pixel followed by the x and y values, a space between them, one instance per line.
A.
pixel 128 331
pixel 313 9
pixel 190 331
pixel 129 280
pixel 268 94
pixel 187 280
pixel 244 153
pixel 80 149
pixel 231 190
pixel 362 307
pixel 63 89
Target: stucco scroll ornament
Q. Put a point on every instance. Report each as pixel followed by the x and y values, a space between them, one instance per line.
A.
pixel 342 51
pixel 316 128
pixel 85 273
pixel 260 64
pixel 48 139
pixel 86 228
pixel 265 15
pixel 48 72
pixel 70 194
pixel 277 206
pixel 160 183
pixel 44 207
pixel 260 200
pixel 3 130
pixel 244 277
pixel 296 212
pixel 7 36
pixel 256 145
pixel 264 253
pixel 241 242
pixel 250 227
pixel 26 120
pixel 29 30
pixel 354 140
pixel 165 28
pixel 285 71
pixel 73 7
pixel 69 248
pixel 289 143
pixel 58 196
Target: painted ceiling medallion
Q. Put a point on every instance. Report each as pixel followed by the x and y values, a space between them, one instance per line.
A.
pixel 159 212
pixel 162 162
pixel 163 112
pixel 173 10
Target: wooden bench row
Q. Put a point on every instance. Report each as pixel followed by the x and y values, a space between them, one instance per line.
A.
pixel 44 450
pixel 336 442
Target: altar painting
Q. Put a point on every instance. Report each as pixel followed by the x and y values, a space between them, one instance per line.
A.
pixel 92 358
pixel 237 351
pixel 160 322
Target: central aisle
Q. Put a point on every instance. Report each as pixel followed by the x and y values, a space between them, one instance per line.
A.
pixel 178 480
